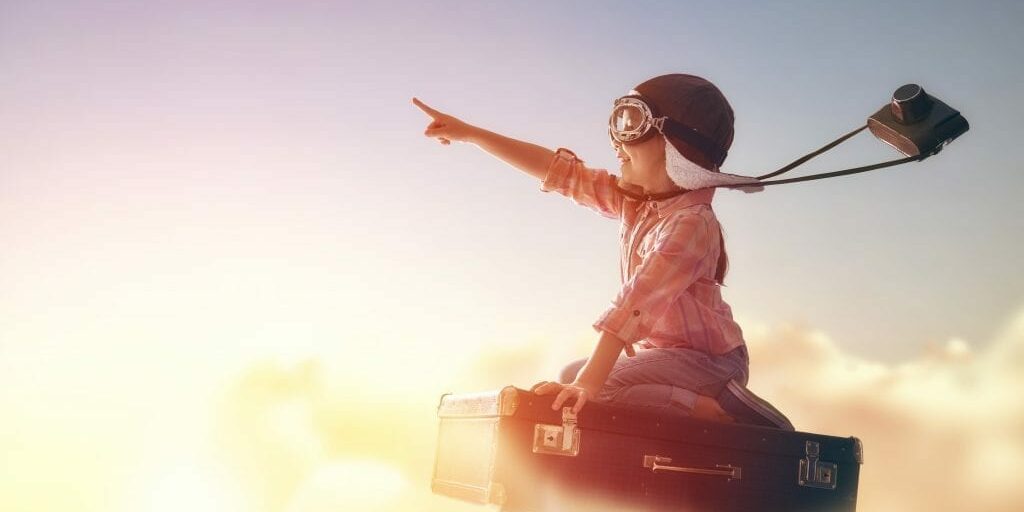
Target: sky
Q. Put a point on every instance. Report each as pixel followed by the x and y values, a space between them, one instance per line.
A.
pixel 234 275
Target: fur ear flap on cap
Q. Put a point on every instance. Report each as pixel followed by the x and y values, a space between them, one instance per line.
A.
pixel 687 174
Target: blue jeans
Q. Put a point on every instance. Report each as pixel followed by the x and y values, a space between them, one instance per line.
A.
pixel 667 379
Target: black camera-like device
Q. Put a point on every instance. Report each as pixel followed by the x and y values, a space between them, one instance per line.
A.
pixel 915 123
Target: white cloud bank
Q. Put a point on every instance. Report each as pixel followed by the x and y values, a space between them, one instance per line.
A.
pixel 942 432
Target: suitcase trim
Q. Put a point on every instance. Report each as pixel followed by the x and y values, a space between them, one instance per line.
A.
pixel 493 494
pixel 504 402
pixel 858 450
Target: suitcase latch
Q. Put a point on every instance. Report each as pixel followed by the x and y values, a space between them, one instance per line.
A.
pixel 815 473
pixel 561 439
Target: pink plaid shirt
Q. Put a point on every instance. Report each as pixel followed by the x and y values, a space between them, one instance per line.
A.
pixel 669 250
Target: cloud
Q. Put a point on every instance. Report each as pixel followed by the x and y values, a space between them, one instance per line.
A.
pixel 351 484
pixel 944 431
pixel 302 437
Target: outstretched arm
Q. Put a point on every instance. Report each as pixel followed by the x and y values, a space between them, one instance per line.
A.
pixel 529 158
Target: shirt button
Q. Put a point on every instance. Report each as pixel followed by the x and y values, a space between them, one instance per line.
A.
pixel 636 312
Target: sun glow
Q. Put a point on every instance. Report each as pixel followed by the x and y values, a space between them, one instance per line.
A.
pixel 352 484
pixel 189 487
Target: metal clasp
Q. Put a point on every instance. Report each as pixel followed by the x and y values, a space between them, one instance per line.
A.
pixel 659 124
pixel 815 473
pixel 561 439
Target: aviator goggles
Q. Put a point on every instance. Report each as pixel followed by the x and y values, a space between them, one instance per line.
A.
pixel 633 119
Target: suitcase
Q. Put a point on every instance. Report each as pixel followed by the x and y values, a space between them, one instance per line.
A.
pixel 509 448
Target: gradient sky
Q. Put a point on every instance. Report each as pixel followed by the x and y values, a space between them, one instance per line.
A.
pixel 188 188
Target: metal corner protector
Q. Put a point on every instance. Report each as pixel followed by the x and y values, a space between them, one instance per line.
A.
pixel 508 401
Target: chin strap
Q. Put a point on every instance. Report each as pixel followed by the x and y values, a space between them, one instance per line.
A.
pixel 651 197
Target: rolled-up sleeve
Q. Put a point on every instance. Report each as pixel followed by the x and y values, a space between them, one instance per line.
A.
pixel 681 255
pixel 594 188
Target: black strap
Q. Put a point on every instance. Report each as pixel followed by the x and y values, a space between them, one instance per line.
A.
pixel 809 156
pixel 824 175
pixel 826 147
pixel 696 139
pixel 844 172
pixel 652 197
pixel 791 166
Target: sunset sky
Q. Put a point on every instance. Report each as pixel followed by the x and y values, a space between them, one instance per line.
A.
pixel 234 275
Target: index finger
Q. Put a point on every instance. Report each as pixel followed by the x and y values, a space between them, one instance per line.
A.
pixel 426 109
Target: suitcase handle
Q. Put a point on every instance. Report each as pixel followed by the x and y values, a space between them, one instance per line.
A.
pixel 658 463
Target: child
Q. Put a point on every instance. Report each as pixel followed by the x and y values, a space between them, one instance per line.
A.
pixel 671 135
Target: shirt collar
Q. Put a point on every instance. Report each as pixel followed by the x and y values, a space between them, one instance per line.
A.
pixel 666 206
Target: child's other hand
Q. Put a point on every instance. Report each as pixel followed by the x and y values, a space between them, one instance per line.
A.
pixel 443 127
pixel 566 392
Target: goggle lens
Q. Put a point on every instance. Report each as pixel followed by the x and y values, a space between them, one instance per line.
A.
pixel 630 120
pixel 627 118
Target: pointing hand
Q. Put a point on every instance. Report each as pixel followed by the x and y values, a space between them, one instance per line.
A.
pixel 443 127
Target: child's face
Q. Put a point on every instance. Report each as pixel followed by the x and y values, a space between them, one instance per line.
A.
pixel 642 163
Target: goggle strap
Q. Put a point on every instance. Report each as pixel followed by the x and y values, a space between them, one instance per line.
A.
pixel 714 153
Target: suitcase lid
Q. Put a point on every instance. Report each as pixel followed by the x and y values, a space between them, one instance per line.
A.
pixel 523 405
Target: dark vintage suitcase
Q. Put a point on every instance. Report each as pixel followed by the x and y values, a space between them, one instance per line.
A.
pixel 510 448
